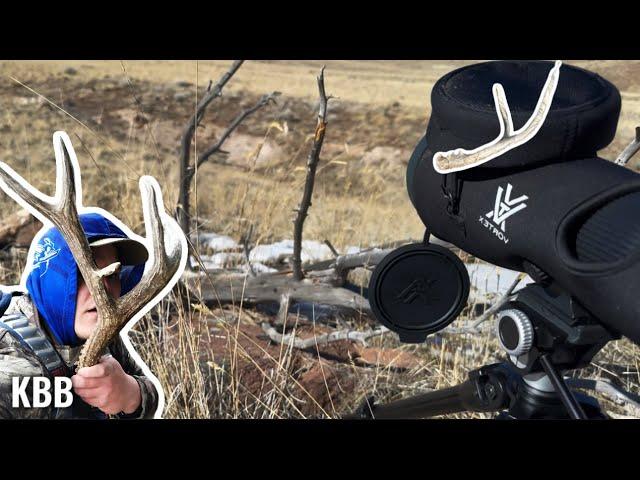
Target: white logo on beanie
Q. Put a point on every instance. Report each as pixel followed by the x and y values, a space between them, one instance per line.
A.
pixel 44 254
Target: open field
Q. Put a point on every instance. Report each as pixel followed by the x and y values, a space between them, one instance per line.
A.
pixel 125 120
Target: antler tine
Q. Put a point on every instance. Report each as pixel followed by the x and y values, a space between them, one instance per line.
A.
pixel 45 208
pixel 504 112
pixel 17 188
pixel 166 240
pixel 153 209
pixel 59 210
pixel 508 139
pixel 63 214
pixel 164 235
pixel 68 187
pixel 169 248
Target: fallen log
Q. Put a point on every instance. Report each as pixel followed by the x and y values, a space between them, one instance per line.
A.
pixel 218 288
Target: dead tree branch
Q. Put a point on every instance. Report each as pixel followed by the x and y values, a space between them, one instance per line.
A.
pixel 320 340
pixel 331 247
pixel 366 258
pixel 607 388
pixel 507 296
pixel 182 209
pixel 630 150
pixel 265 100
pixel 338 268
pixel 245 247
pixel 312 164
pixel 283 311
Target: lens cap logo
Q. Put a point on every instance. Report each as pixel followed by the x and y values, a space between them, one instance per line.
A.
pixel 419 288
pixel 44 254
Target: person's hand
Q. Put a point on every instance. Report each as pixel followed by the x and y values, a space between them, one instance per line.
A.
pixel 108 387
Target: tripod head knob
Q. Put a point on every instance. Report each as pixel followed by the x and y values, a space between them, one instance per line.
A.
pixel 515 332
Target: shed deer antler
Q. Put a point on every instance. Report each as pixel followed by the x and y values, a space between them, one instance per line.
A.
pixel 508 139
pixel 164 238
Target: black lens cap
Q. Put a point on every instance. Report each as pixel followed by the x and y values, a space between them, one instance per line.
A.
pixel 418 289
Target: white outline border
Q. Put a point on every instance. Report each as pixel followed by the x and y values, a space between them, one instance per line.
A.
pixel 498 96
pixel 60 139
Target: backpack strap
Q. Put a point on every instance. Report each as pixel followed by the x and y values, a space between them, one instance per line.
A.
pixel 34 340
pixel 5 301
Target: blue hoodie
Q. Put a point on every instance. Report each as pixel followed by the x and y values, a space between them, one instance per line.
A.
pixel 53 280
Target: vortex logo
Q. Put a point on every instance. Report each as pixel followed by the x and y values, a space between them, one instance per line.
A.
pixel 506 206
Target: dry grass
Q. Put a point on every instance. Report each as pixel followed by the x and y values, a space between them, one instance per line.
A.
pixel 381 105
pixel 249 380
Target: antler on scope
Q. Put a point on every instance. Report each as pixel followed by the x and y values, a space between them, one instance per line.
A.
pixel 163 234
pixel 508 139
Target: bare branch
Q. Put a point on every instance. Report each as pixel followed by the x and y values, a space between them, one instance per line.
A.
pixel 607 388
pixel 630 150
pixel 325 339
pixel 182 209
pixel 245 247
pixel 340 266
pixel 331 247
pixel 473 328
pixel 368 257
pixel 398 243
pixel 283 311
pixel 265 100
pixel 312 164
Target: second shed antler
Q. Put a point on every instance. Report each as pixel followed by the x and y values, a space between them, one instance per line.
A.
pixel 164 236
pixel 507 139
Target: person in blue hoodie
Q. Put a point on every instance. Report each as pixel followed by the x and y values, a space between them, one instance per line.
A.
pixel 43 330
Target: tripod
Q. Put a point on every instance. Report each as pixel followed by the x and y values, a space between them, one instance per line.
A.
pixel 544 332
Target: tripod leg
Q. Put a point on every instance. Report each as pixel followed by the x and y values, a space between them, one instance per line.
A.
pixel 485 391
pixel 568 400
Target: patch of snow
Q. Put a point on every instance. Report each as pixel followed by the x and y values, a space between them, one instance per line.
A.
pixel 313 251
pixel 489 279
pixel 219 260
pixel 275 253
pixel 271 254
pixel 259 268
pixel 217 243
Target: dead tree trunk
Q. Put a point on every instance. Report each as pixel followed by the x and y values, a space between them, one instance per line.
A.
pixel 312 164
pixel 187 169
pixel 182 210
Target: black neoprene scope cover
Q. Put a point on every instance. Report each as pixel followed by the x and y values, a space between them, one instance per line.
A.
pixel 418 289
pixel 550 205
pixel 582 120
